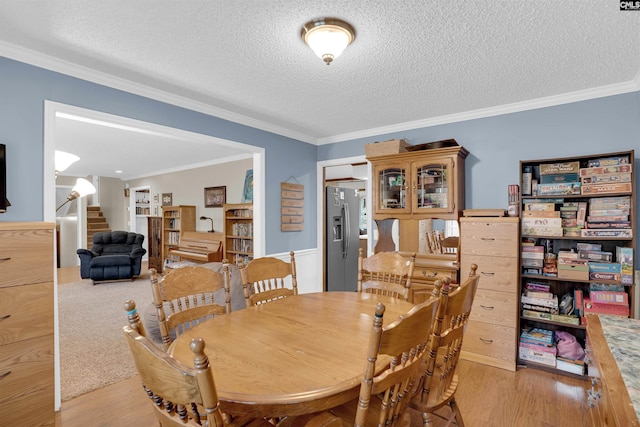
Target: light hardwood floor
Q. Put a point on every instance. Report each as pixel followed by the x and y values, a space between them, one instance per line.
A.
pixel 487 397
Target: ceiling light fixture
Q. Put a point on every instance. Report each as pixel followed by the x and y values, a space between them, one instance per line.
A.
pixel 63 160
pixel 328 37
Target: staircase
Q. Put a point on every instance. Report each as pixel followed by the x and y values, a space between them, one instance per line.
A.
pixel 96 223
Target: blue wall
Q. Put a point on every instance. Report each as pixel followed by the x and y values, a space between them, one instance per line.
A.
pixel 496 144
pixel 24 88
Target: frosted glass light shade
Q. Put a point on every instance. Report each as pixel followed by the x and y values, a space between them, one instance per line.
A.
pixel 63 160
pixel 328 37
pixel 83 188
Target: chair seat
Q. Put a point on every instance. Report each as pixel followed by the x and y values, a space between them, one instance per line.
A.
pixel 111 260
pixel 111 267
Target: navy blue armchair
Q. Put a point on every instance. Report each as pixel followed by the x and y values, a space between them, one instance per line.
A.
pixel 114 255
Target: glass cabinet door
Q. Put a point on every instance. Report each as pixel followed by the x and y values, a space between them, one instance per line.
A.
pixel 432 187
pixel 390 189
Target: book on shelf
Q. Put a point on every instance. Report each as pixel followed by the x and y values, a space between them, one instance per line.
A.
pixel 624 256
pixel 559 167
pixel 540 214
pixel 606 178
pixel 537 353
pixel 531 293
pixel 606 188
pixel 578 302
pixel 539 336
pixel 615 287
pixel 609 297
pixel 614 225
pixel 595 256
pixel 561 188
pixel 559 178
pixel 570 365
pixel 537 286
pixel 561 318
pixel 600 308
pixel 613 202
pixel 541 222
pixel 585 246
pixel 542 302
pixel 600 170
pixel 532 262
pixel 605 267
pixel 608 161
pixel 607 232
pixel 540 308
pixel 543 231
pixel 542 206
pixel 538 200
pixel 615 277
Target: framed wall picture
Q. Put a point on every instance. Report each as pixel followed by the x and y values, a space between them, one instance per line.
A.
pixel 167 199
pixel 247 190
pixel 215 197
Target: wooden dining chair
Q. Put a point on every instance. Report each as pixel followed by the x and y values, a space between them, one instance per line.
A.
pixel 385 273
pixel 185 298
pixel 181 396
pixel 384 393
pixel 265 279
pixel 438 384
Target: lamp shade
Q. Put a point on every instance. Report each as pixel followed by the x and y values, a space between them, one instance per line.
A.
pixel 328 37
pixel 63 160
pixel 83 188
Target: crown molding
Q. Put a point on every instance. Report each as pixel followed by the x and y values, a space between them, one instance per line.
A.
pixel 68 68
pixel 61 66
pixel 550 101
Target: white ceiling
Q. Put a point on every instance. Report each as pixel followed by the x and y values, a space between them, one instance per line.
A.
pixel 413 63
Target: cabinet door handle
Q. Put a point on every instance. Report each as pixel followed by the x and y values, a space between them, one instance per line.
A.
pixel 6 316
pixel 5 259
pixel 486 341
pixel 4 374
pixel 488 273
pixel 489 239
pixel 487 307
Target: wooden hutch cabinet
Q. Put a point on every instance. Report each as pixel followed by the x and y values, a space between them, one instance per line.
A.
pixel 419 184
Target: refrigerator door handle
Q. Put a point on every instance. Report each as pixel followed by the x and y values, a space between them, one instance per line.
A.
pixel 347 230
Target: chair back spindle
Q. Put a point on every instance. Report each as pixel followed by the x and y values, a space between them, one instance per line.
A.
pixel 266 279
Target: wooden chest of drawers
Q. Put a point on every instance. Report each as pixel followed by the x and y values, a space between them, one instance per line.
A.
pixel 493 244
pixel 26 324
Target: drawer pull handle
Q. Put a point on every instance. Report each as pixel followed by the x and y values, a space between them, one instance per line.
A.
pixel 487 307
pixel 486 341
pixel 5 259
pixel 488 273
pixel 6 316
pixel 4 375
pixel 424 273
pixel 489 239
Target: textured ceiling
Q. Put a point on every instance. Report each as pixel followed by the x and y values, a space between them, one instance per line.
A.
pixel 412 60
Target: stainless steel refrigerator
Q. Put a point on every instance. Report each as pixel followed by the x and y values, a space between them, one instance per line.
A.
pixel 342 239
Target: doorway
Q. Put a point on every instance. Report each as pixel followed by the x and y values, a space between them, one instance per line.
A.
pixel 350 172
pixel 54 111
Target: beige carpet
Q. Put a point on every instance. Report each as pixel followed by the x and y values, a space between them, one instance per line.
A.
pixel 93 352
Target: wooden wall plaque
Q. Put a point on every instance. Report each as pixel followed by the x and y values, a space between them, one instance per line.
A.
pixel 291 207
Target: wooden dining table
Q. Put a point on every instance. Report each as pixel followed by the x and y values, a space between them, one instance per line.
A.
pixel 297 355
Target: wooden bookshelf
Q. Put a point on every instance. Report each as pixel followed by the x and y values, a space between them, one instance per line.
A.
pixel 238 233
pixel 175 221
